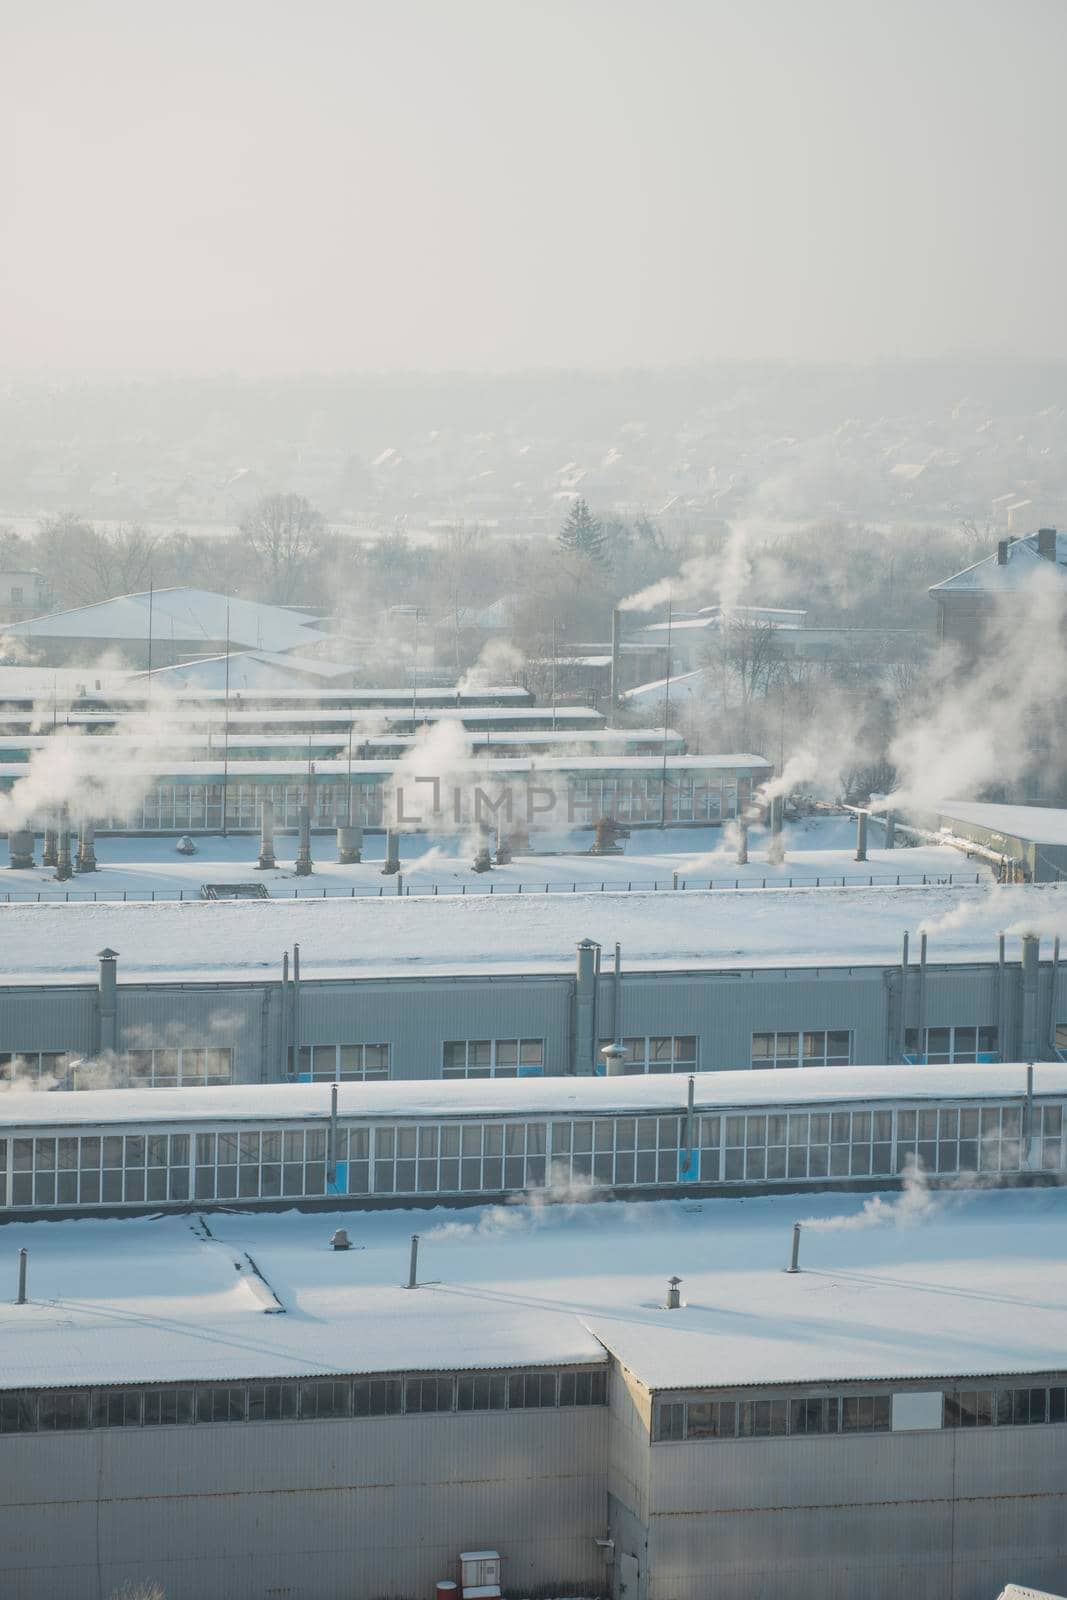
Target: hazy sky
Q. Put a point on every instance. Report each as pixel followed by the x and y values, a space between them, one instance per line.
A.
pixel 262 185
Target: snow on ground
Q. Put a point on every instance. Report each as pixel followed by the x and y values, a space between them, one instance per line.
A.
pixel 697 930
pixel 916 1286
pixel 817 849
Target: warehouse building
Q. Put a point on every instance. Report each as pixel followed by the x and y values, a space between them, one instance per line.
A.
pixel 374 1144
pixel 630 1401
pixel 1033 839
pixel 451 987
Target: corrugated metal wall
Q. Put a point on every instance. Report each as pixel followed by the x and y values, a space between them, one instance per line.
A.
pixel 415 1016
pixel 927 1515
pixel 308 1511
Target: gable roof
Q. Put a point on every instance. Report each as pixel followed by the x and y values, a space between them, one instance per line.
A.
pixel 989 577
pixel 190 614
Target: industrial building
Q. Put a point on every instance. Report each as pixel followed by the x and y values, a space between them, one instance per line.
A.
pixel 641 1402
pixel 1032 839
pixel 163 796
pixel 373 1143
pixel 265 991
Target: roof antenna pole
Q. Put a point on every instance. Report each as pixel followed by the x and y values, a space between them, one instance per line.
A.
pixel 226 728
pixel 666 717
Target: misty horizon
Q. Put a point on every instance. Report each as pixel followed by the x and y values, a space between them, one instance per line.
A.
pixel 488 188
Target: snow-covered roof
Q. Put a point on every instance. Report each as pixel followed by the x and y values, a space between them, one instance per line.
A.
pixel 241 941
pixel 683 686
pixel 187 614
pixel 1041 824
pixel 517 1097
pixel 972 1286
pixel 1023 563
pixel 244 669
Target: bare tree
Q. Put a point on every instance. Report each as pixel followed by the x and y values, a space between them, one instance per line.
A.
pixel 284 532
pixel 750 662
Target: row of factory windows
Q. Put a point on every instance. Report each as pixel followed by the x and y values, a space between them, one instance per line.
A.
pixel 308 1400
pixel 475 1058
pixel 487 1157
pixel 678 1420
pixel 690 797
pixel 486 1058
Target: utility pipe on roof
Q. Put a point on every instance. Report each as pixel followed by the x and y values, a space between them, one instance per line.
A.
pixel 922 1000
pixel 1031 971
pixel 1002 1041
pixel 296 1010
pixel 283 1023
pixel 107 1000
pixel 902 1027
pixel 585 1008
pixel 1050 1018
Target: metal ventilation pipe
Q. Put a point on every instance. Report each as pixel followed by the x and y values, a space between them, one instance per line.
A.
pixel 20 849
pixel 922 1000
pixel 742 842
pixel 392 852
pixel 20 1298
pixel 777 814
pixel 674 1297
pixel 266 836
pixel 615 685
pixel 107 1000
pixel 296 1010
pixel 349 844
pixel 902 1040
pixel 413 1263
pixel 585 1008
pixel 1031 968
pixel 288 1065
pixel 861 835
pixel 1027 1140
pixel 794 1260
pixel 50 853
pixel 86 857
pixel 64 869
pixel 1053 985
pixel 890 830
pixel 689 1121
pixel 303 867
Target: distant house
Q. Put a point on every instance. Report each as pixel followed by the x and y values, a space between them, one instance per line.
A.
pixel 22 594
pixel 967 601
pixel 166 627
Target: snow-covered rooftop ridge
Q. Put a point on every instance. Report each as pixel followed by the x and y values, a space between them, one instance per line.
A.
pixel 734 930
pixel 1041 824
pixel 185 613
pixel 537 1097
pixel 933 1287
pixel 991 576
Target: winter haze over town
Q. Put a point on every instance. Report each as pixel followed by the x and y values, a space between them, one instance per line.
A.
pixel 533 800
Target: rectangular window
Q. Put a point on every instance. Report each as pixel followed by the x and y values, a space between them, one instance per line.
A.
pixel 482 1392
pixel 492 1058
pixel 429 1394
pixel 946 1046
pixel 821 1048
pixel 655 1053
pixel 343 1063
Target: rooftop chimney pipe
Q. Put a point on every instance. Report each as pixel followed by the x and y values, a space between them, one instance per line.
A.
pixel 303 867
pixel 413 1263
pixel 1031 959
pixel 742 842
pixel 266 836
pixel 890 830
pixel 615 685
pixel 64 870
pixel 1046 543
pixel 107 999
pixel 86 857
pixel 20 1299
pixel 20 848
pixel 861 835
pixel 794 1260
pixel 349 844
pixel 392 852
pixel 674 1298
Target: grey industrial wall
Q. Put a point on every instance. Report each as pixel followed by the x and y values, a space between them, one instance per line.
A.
pixel 415 1015
pixel 309 1511
pixel 926 1515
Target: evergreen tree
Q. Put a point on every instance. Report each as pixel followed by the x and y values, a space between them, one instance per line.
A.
pixel 582 534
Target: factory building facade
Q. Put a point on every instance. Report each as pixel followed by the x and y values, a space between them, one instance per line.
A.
pixel 308 1487
pixel 270 1029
